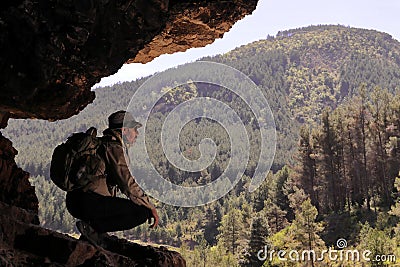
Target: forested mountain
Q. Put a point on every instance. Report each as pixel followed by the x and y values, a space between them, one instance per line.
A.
pixel 332 91
pixel 318 66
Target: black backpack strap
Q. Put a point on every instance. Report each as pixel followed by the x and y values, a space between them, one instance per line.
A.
pixel 92 131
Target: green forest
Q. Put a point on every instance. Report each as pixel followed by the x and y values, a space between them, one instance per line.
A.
pixel 334 94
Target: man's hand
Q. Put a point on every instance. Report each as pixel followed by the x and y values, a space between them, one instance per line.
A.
pixel 154 215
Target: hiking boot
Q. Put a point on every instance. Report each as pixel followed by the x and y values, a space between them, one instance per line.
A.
pixel 91 235
pixel 88 233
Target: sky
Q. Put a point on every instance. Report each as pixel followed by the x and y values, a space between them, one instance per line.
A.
pixel 270 17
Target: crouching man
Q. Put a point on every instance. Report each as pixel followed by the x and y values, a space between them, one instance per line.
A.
pixel 96 205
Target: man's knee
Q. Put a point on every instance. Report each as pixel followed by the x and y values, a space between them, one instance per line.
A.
pixel 143 215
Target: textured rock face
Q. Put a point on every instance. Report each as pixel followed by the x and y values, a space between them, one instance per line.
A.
pixel 194 24
pixel 15 188
pixel 53 51
pixel 23 243
pixel 4 116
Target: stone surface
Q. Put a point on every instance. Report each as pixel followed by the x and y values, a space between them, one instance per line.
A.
pixel 199 24
pixel 4 116
pixel 15 188
pixel 53 51
pixel 25 244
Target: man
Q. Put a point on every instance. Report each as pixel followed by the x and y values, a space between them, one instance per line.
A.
pixel 96 204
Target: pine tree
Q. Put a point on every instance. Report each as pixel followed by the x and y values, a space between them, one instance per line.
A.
pixel 275 216
pixel 354 155
pixel 305 230
pixel 279 195
pixel 258 240
pixel 203 248
pixel 231 231
pixel 365 182
pixel 329 165
pixel 379 109
pixel 296 196
pixel 262 193
pixel 340 122
pixel 304 174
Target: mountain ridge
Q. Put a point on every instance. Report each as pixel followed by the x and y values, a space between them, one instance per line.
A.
pixel 335 52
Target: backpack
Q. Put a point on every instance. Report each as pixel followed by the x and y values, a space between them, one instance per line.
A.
pixel 76 163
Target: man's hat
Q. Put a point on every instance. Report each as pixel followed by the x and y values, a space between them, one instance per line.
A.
pixel 116 120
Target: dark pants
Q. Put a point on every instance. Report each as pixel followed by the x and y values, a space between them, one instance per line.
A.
pixel 106 214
